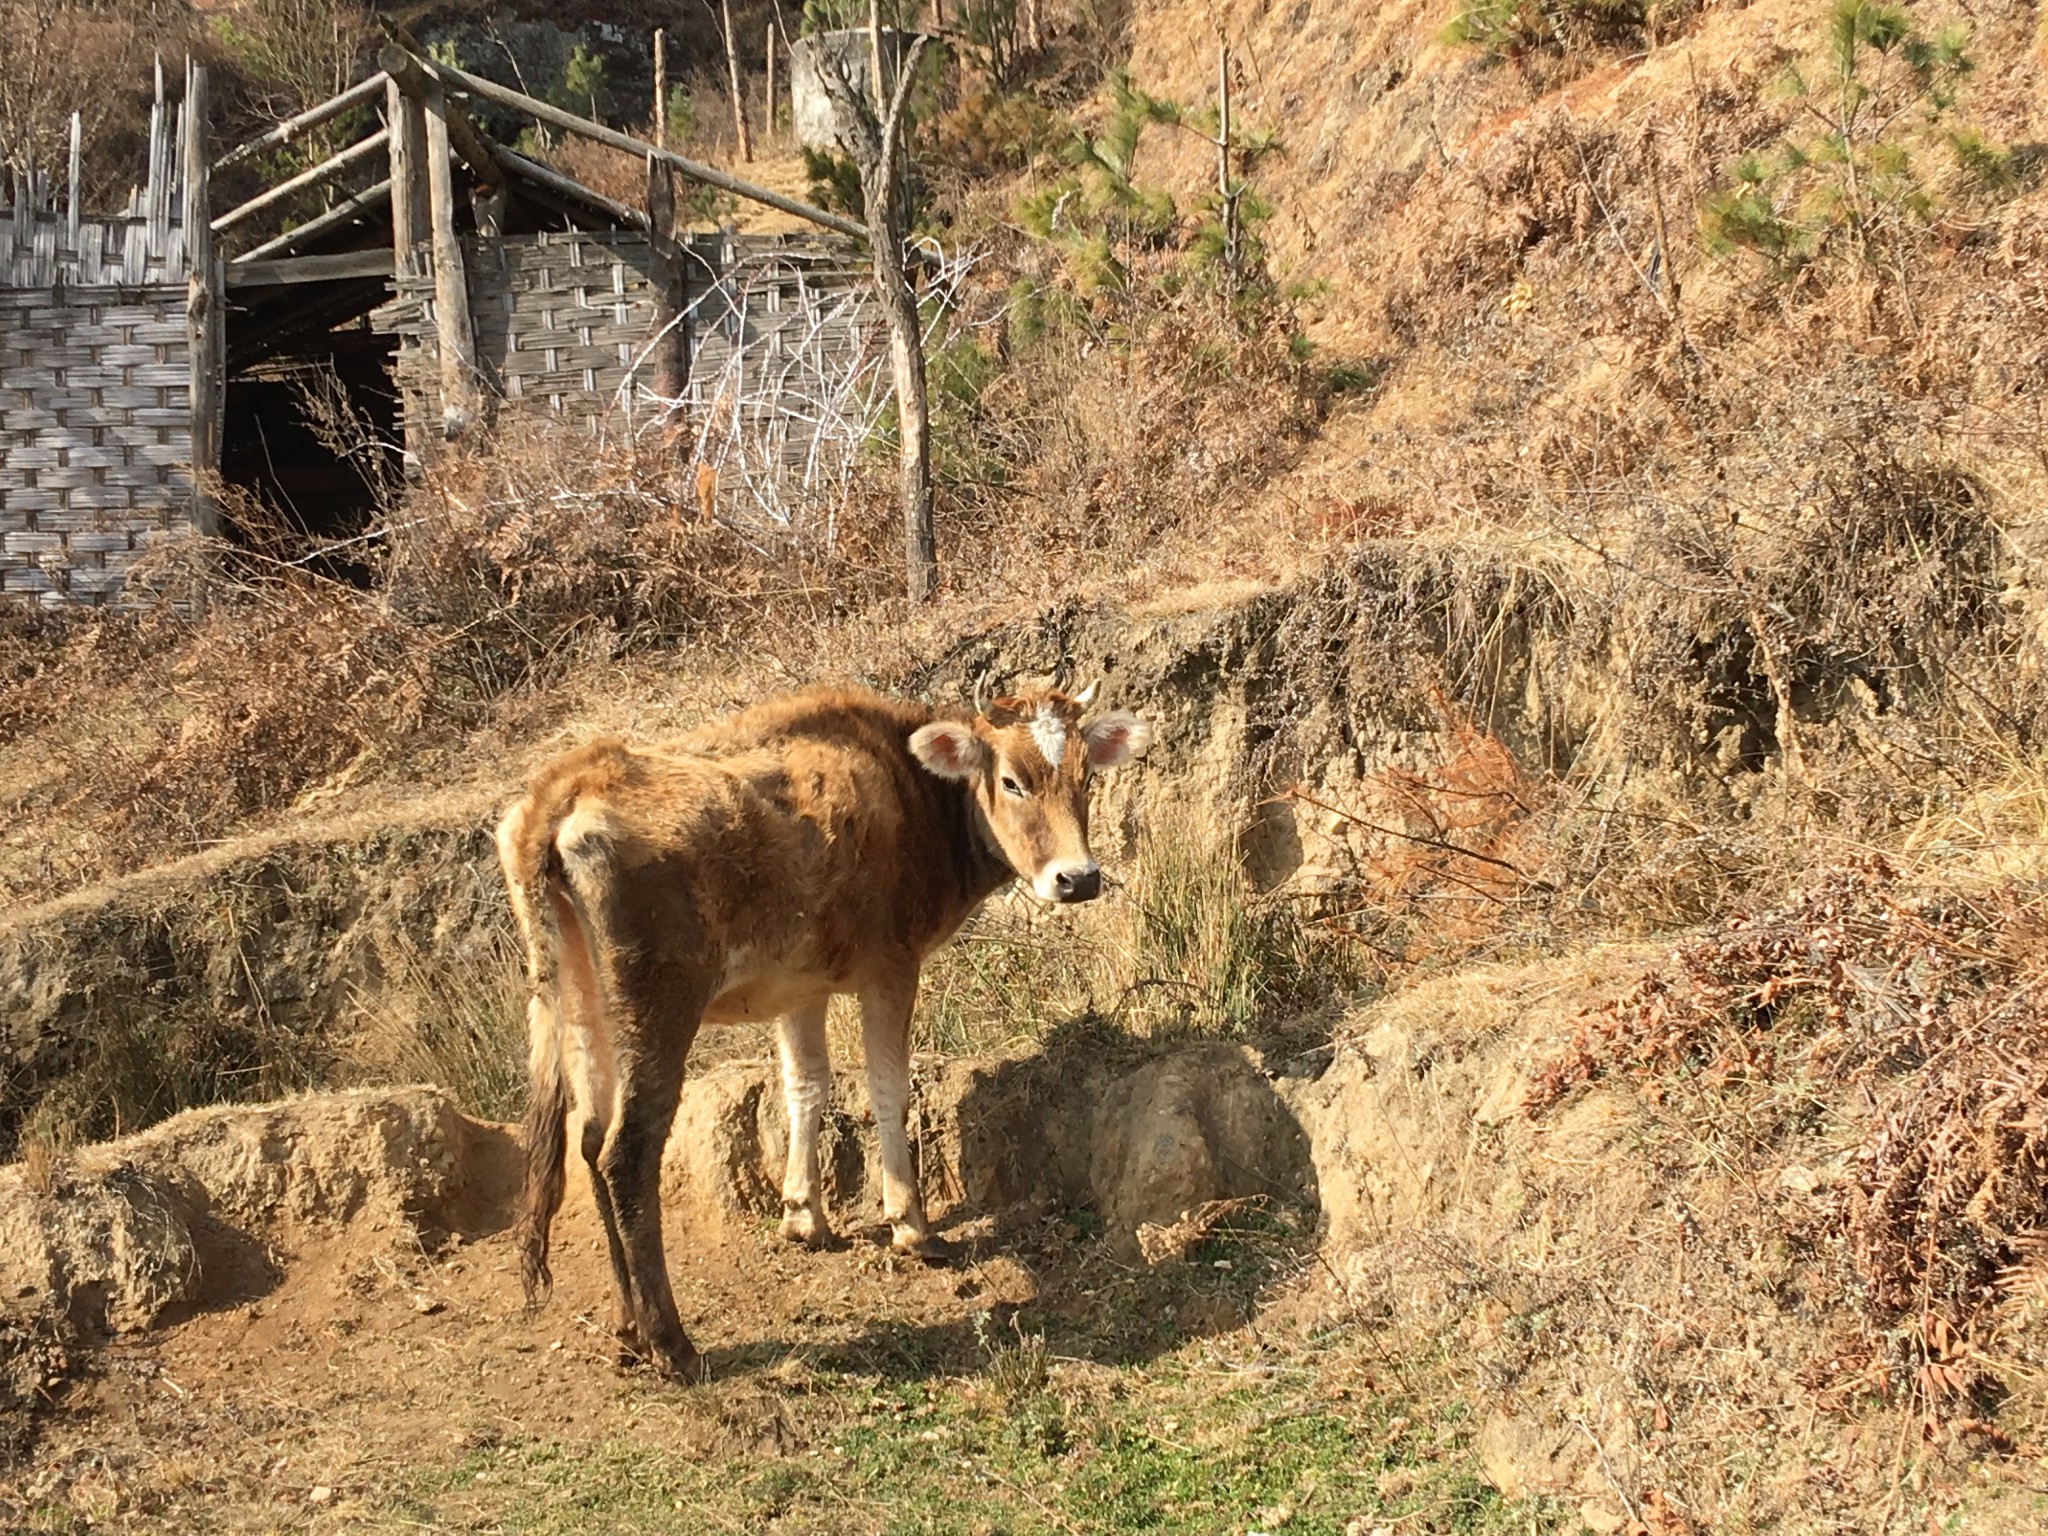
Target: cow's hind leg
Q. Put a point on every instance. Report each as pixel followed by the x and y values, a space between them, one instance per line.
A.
pixel 629 1163
pixel 625 1323
pixel 806 1083
pixel 885 1009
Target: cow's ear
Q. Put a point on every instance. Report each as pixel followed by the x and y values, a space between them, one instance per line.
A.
pixel 1115 738
pixel 948 748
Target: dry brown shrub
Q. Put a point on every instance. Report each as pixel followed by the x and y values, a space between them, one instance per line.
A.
pixel 541 548
pixel 1930 1010
pixel 1111 448
pixel 611 172
pixel 1435 858
pixel 280 687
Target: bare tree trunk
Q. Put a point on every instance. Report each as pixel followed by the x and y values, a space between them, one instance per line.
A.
pixel 768 111
pixel 913 410
pixel 732 74
pixel 876 143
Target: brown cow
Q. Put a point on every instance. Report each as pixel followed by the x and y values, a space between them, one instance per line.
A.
pixel 822 843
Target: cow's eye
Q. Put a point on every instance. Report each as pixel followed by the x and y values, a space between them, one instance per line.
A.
pixel 1012 787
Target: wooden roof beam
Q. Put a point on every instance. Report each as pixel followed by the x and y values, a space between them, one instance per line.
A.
pixel 640 149
pixel 312 117
pixel 326 170
pixel 341 213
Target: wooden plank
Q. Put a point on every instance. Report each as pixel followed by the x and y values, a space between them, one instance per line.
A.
pixel 583 127
pixel 71 200
pixel 562 186
pixel 461 402
pixel 344 212
pixel 152 186
pixel 205 310
pixel 355 96
pixel 410 220
pixel 313 176
pixel 250 273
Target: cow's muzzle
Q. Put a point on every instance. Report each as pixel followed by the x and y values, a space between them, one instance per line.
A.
pixel 1081 883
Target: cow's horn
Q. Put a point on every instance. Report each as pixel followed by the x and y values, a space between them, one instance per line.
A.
pixel 980 703
pixel 1087 695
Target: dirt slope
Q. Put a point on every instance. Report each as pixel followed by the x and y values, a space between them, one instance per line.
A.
pixel 305 1315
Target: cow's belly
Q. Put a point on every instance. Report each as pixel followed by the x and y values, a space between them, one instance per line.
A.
pixel 757 992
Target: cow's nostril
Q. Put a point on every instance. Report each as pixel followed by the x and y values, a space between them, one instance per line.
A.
pixel 1078 884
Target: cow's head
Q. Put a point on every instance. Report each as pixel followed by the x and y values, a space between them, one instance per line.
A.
pixel 1027 761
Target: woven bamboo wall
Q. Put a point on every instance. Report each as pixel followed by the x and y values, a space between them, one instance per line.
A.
pixel 563 319
pixel 95 436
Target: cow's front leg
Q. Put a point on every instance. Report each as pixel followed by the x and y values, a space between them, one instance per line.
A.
pixel 885 1034
pixel 806 1083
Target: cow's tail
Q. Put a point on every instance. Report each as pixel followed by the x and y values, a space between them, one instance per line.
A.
pixel 554 934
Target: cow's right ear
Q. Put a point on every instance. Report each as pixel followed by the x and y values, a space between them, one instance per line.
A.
pixel 948 748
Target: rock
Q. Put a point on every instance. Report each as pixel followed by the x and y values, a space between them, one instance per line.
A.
pixel 101 1253
pixel 1799 1179
pixel 1525 1459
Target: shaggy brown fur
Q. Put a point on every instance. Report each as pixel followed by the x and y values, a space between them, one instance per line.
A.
pixel 818 844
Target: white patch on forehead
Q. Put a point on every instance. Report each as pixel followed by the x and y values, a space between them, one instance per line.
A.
pixel 1050 732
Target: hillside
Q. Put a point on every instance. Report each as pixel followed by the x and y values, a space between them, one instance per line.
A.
pixel 1562 1051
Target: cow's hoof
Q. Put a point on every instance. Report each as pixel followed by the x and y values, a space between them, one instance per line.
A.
pixel 685 1367
pixel 804 1225
pixel 928 1249
pixel 678 1362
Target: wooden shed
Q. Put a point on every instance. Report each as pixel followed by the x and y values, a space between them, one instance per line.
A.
pixel 156 365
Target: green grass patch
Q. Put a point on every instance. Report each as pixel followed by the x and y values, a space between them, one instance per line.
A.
pixel 1181 1448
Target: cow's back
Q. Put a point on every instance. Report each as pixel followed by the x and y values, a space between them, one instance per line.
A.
pixel 797 839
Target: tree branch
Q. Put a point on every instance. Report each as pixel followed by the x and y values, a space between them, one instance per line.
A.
pixel 892 125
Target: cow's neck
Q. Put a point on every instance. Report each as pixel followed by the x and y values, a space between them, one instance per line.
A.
pixel 985 870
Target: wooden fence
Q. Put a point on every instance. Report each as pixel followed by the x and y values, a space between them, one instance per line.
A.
pixel 565 320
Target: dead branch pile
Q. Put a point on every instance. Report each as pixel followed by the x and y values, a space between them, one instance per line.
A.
pixel 1934 1009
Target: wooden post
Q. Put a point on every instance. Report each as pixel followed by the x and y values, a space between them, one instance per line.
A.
pixel 461 401
pixel 660 88
pixel 71 199
pixel 399 59
pixel 768 112
pixel 411 223
pixel 671 356
pixel 205 307
pixel 732 73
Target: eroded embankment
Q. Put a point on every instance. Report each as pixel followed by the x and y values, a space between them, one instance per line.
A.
pixel 1425 706
pixel 1619 1291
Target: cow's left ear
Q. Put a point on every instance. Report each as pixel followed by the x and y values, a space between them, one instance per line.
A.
pixel 1115 738
pixel 948 748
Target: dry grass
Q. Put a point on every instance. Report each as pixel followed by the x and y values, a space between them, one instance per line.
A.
pixel 456 1021
pixel 1182 945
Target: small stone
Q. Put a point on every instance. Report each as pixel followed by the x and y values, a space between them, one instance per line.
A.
pixel 320 1495
pixel 427 1306
pixel 1800 1179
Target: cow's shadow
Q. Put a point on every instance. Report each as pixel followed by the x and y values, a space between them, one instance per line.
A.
pixel 1056 1161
